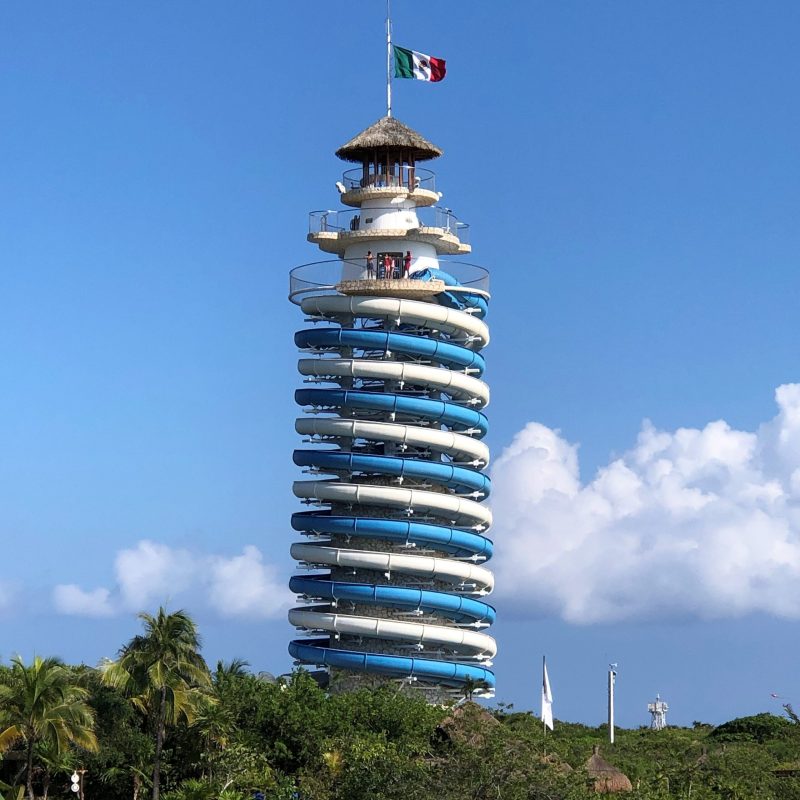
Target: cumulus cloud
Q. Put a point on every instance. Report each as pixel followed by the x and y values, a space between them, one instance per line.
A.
pixel 71 599
pixel 698 523
pixel 151 573
pixel 246 586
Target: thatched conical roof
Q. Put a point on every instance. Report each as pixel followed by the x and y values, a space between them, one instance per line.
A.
pixel 606 777
pixel 468 723
pixel 388 133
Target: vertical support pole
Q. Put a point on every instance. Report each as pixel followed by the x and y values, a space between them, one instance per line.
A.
pixel 388 60
pixel 611 676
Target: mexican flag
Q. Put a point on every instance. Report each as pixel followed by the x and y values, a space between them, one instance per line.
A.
pixel 411 64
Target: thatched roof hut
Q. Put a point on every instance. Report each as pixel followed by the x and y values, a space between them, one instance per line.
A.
pixel 606 778
pixel 392 137
pixel 467 722
pixel 555 763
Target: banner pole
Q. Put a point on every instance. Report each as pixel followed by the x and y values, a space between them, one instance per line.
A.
pixel 388 60
pixel 544 724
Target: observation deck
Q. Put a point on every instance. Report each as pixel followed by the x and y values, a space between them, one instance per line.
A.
pixel 349 277
pixel 402 181
pixel 335 231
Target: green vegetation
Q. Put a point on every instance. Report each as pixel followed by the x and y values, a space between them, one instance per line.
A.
pixel 156 723
pixel 43 707
pixel 164 675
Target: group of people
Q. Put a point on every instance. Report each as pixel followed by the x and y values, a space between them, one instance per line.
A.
pixel 389 266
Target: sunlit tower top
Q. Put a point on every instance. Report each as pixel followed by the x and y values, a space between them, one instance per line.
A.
pixel 658 714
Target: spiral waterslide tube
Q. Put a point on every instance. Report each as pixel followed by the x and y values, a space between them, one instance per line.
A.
pixel 396 465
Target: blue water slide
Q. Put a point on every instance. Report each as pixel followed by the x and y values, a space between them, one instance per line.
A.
pixel 456 608
pixel 451 355
pixel 460 300
pixel 453 540
pixel 454 415
pixel 460 479
pixel 346 526
pixel 448 673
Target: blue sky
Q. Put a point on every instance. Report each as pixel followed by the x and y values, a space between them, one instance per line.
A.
pixel 631 176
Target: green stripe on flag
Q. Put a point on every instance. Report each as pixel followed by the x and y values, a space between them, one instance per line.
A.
pixel 403 62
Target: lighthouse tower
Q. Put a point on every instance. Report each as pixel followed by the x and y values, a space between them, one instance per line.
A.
pixel 392 550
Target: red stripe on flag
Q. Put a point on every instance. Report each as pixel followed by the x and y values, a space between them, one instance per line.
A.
pixel 438 69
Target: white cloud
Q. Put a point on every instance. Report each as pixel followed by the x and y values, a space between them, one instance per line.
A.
pixel 152 573
pixel 244 585
pixel 701 523
pixel 71 599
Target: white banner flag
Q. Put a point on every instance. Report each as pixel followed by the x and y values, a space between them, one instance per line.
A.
pixel 547 698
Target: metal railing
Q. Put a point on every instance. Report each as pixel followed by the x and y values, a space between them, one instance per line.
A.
pixel 322 277
pixel 392 218
pixel 403 175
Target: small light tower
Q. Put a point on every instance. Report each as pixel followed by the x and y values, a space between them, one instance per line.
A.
pixel 658 714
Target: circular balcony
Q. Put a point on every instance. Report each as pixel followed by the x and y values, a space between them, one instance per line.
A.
pixel 334 231
pixel 412 183
pixel 351 277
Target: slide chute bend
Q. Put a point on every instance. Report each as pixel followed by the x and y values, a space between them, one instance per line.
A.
pixel 395 539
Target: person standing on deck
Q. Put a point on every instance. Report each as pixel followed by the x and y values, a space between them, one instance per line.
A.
pixel 407 264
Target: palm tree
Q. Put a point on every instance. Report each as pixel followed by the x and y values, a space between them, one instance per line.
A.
pixel 215 723
pixel 52 762
pixel 163 673
pixel 43 706
pixel 235 668
pixel 468 688
pixel 139 777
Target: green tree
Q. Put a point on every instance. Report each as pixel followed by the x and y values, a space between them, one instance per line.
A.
pixel 758 728
pixel 164 674
pixel 124 763
pixel 42 705
pixel 192 789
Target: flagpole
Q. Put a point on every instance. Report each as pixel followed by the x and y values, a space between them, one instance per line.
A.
pixel 544 667
pixel 388 60
pixel 544 723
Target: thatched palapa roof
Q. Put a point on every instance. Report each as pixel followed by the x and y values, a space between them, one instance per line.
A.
pixel 606 778
pixel 468 723
pixel 388 134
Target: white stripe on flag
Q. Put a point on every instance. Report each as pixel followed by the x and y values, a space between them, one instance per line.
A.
pixel 422 66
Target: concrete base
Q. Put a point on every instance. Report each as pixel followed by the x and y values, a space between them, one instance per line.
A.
pixel 390 287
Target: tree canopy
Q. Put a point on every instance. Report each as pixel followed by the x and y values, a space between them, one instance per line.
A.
pixel 156 723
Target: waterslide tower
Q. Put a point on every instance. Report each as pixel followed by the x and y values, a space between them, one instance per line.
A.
pixel 392 548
